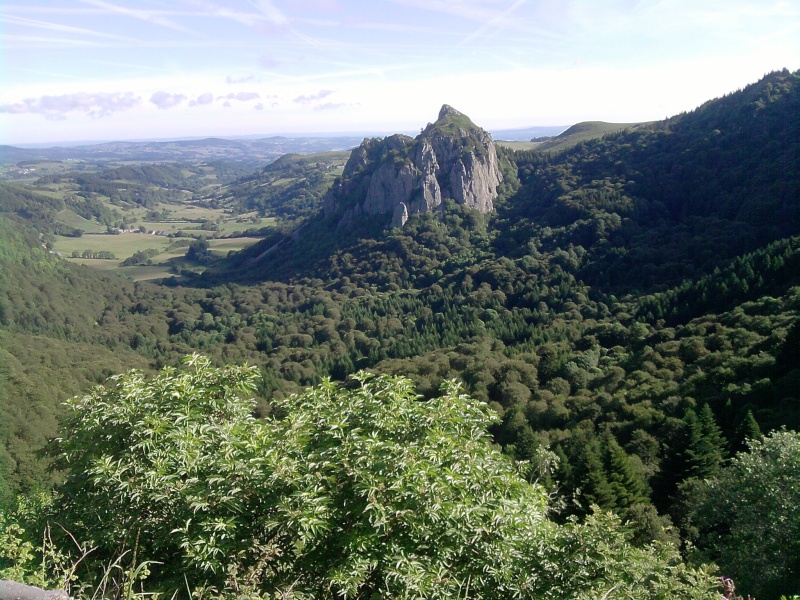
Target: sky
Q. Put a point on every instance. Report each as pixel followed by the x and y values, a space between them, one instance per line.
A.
pixel 157 69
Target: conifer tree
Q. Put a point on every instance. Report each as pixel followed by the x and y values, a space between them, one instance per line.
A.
pixel 627 485
pixel 704 448
pixel 594 482
pixel 748 429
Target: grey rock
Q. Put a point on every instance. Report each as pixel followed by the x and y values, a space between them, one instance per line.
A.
pixel 430 195
pixel 11 590
pixel 389 186
pixel 400 215
pixel 401 176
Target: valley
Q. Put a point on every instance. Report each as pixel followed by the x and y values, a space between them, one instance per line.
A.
pixel 623 299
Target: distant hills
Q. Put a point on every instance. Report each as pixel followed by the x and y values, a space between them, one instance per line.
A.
pixel 232 149
pixel 258 151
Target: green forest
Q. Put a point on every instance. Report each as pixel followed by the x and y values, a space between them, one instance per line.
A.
pixel 592 392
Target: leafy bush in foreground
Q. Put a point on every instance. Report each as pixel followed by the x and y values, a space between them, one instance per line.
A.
pixel 360 491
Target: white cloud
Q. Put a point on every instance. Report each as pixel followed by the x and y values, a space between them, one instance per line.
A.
pixel 206 98
pixel 244 79
pixel 57 107
pixel 244 96
pixel 165 100
pixel 304 100
pixel 330 105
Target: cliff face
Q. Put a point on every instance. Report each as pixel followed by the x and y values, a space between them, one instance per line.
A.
pixel 399 176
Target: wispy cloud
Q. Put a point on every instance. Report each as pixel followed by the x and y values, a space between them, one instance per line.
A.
pixel 149 16
pixel 165 100
pixel 279 20
pixel 60 27
pixel 58 107
pixel 40 41
pixel 485 13
pixel 470 10
pixel 305 100
pixel 267 62
pixel 495 22
pixel 244 79
pixel 330 105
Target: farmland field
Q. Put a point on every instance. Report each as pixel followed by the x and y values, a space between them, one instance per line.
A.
pixel 126 244
pixel 122 245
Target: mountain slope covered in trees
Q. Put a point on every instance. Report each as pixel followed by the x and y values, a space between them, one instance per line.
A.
pixel 631 306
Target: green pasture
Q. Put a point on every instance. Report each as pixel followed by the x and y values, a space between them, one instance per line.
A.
pixel 512 145
pixel 229 226
pixel 94 263
pixel 54 190
pixel 223 246
pixel 190 212
pixel 585 131
pixel 126 244
pixel 122 245
pixel 168 226
pixel 72 219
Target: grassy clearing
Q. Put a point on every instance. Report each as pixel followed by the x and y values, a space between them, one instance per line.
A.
pixel 190 212
pixel 94 263
pixel 73 219
pixel 122 245
pixel 228 227
pixel 222 247
pixel 587 130
pixel 126 244
pixel 512 145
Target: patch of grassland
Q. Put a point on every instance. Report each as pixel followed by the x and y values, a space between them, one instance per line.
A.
pixel 94 263
pixel 122 245
pixel 222 247
pixel 228 227
pixel 72 219
pixel 587 130
pixel 513 145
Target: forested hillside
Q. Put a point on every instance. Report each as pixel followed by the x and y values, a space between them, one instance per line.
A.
pixel 632 306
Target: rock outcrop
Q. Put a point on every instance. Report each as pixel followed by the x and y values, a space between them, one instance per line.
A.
pixel 399 176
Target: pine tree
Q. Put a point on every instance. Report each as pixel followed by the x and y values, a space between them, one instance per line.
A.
pixel 596 487
pixel 705 444
pixel 748 429
pixel 628 486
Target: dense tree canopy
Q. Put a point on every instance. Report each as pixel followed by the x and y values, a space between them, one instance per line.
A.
pixel 357 491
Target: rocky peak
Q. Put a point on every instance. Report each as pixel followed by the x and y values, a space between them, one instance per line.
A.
pixel 448 111
pixel 399 176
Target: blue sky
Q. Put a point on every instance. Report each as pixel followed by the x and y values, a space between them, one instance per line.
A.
pixel 134 69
